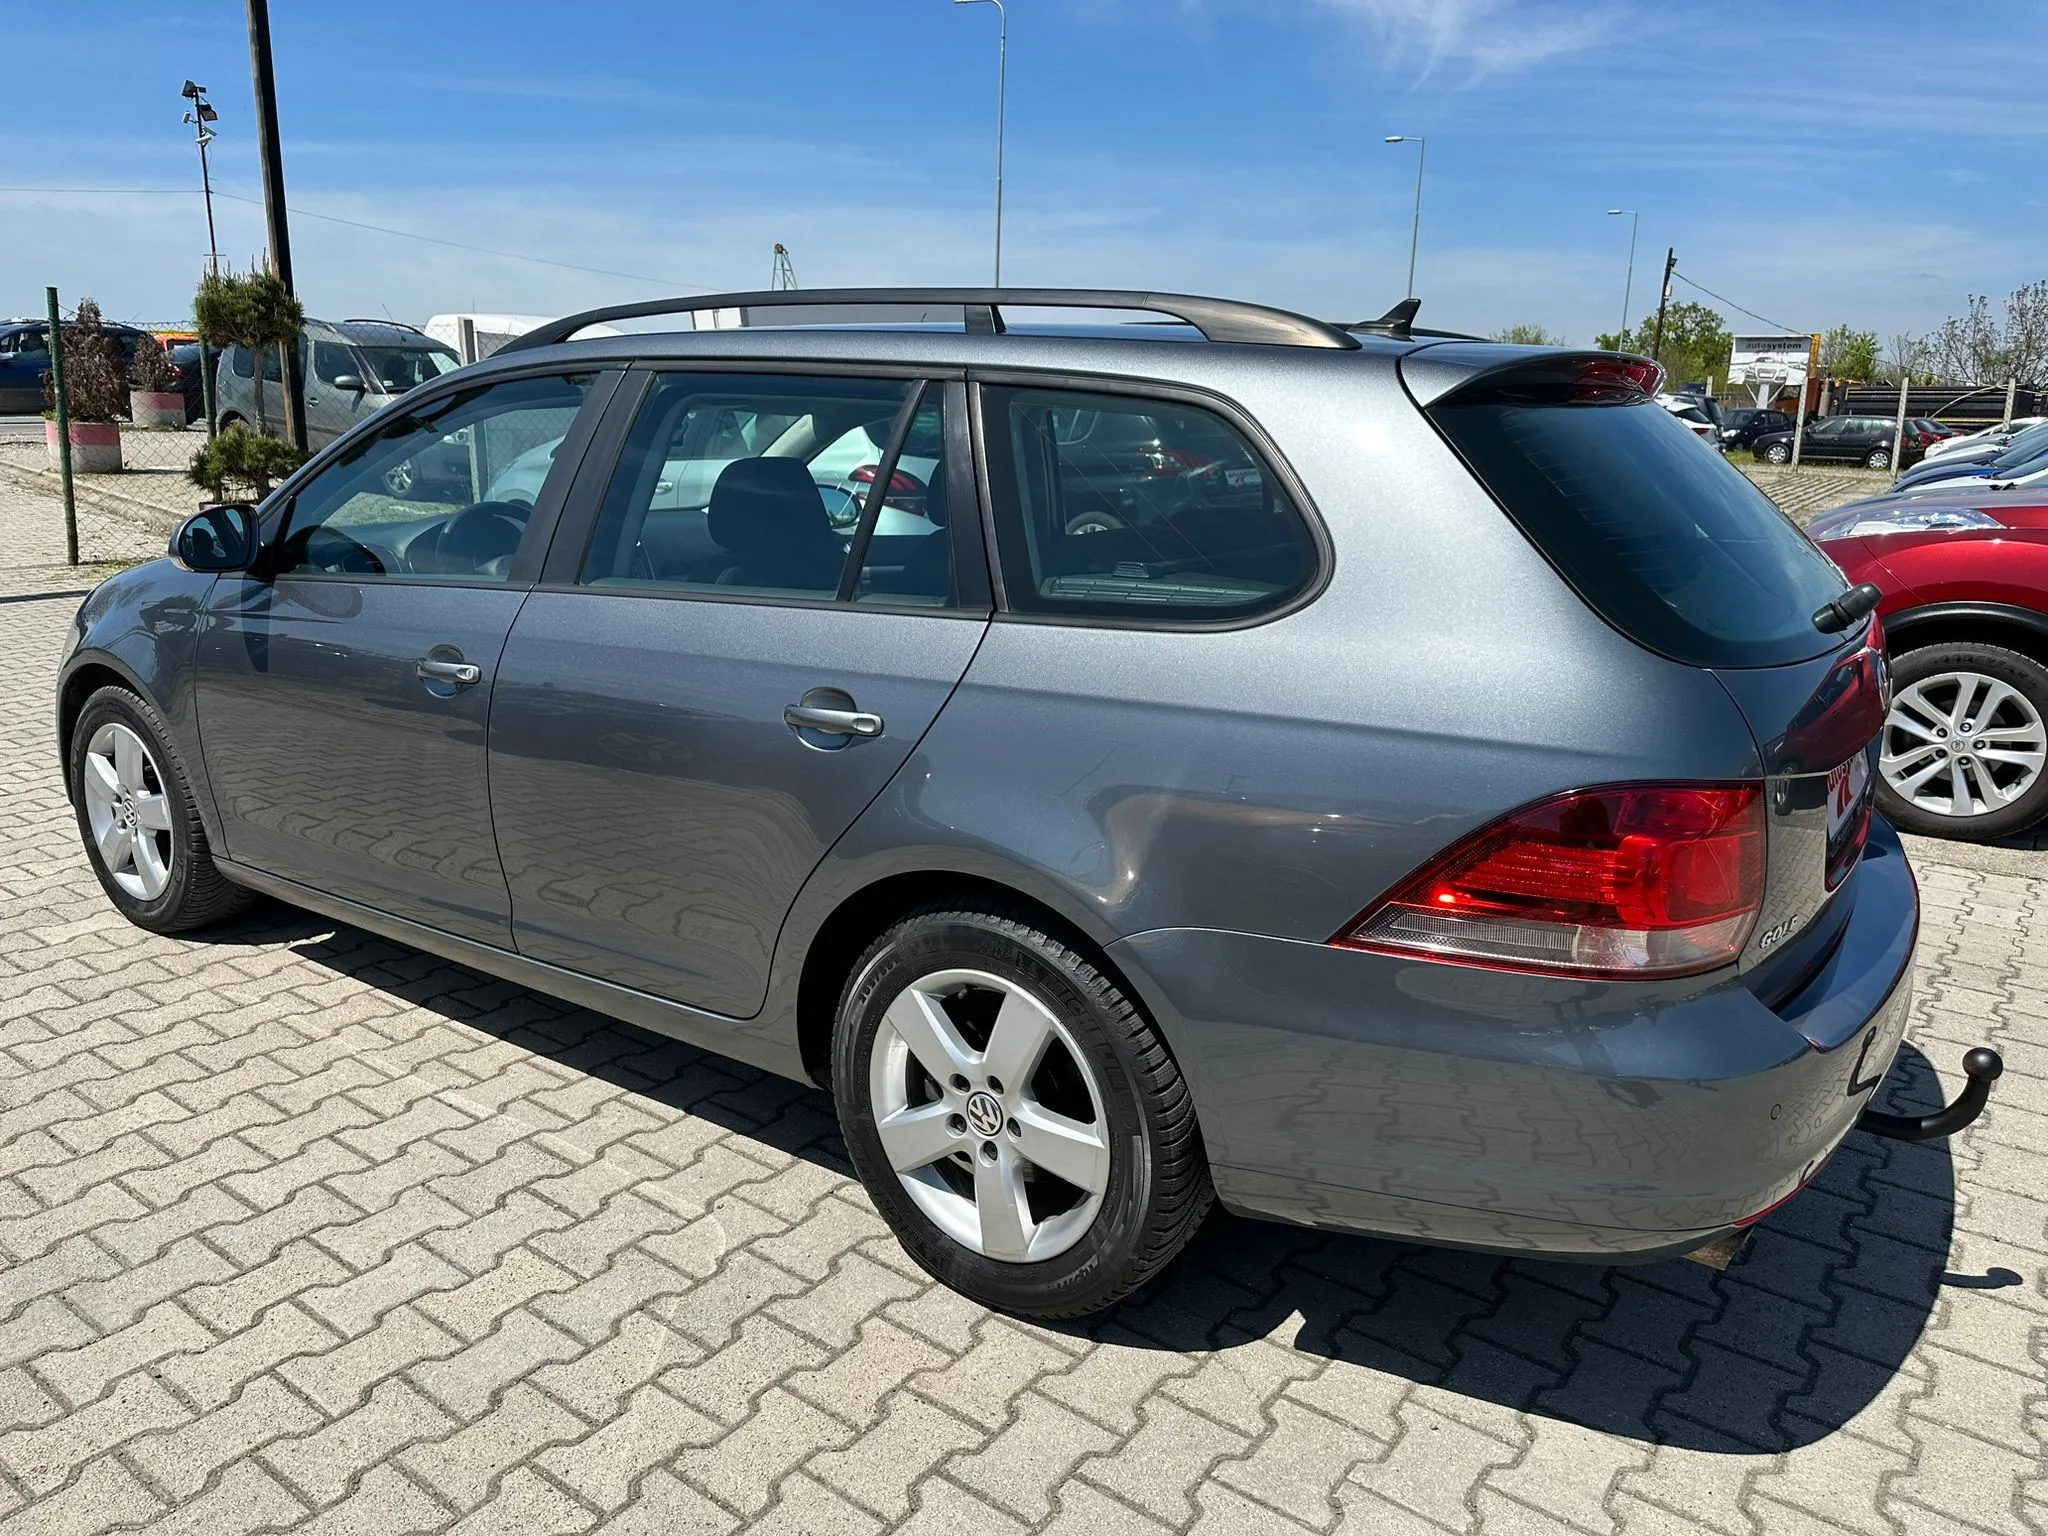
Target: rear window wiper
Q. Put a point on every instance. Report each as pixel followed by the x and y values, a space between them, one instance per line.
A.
pixel 1833 617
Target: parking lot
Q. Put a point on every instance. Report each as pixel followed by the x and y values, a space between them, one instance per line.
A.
pixel 301 1229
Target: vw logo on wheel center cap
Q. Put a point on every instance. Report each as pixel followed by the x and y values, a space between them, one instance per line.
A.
pixel 984 1115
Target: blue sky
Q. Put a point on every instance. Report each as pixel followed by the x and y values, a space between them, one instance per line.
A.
pixel 1872 163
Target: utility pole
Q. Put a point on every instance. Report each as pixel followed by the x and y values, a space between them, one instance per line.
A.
pixel 783 280
pixel 268 155
pixel 1661 302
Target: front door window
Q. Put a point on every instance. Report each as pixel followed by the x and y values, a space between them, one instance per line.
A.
pixel 443 491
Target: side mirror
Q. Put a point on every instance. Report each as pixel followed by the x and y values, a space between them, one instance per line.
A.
pixel 352 382
pixel 217 538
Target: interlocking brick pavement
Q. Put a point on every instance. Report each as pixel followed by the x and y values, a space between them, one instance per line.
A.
pixel 301 1230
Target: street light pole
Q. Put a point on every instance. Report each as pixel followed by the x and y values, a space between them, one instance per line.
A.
pixel 1628 283
pixel 1002 92
pixel 201 115
pixel 272 164
pixel 1414 229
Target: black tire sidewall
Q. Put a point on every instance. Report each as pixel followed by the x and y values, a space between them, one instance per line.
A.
pixel 166 912
pixel 2023 673
pixel 1089 1273
pixel 1777 453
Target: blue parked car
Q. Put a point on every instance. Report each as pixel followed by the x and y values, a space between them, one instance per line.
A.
pixel 25 358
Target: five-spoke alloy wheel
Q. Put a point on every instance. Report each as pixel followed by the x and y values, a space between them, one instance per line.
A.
pixel 1965 743
pixel 1018 1121
pixel 136 816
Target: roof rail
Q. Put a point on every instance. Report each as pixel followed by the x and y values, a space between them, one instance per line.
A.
pixel 378 320
pixel 1216 319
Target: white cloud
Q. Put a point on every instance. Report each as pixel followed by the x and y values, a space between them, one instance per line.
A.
pixel 1491 36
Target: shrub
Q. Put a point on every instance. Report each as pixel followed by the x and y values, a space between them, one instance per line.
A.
pixel 151 370
pixel 250 310
pixel 95 381
pixel 243 462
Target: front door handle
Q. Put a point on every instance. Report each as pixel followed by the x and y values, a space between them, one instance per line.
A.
pixel 461 673
pixel 834 722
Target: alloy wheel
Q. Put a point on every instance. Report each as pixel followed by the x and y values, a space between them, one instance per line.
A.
pixel 990 1115
pixel 128 811
pixel 1962 744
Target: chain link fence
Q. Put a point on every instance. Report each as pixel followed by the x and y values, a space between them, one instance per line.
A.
pixel 121 516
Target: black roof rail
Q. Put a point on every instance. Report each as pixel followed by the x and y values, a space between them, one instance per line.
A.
pixel 981 311
pixel 379 320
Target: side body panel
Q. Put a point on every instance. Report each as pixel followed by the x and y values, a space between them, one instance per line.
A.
pixel 335 765
pixel 656 814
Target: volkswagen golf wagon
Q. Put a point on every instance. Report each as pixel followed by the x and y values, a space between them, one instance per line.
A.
pixel 1368 778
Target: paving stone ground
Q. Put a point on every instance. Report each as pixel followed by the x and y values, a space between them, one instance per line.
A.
pixel 301 1230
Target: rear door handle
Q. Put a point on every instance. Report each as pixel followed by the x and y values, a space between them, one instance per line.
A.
pixel 461 673
pixel 834 722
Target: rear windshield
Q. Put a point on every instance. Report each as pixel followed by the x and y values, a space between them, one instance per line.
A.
pixel 1658 532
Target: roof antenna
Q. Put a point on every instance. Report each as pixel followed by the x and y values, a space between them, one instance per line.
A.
pixel 1397 322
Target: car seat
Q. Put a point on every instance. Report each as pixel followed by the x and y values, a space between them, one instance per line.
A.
pixel 766 515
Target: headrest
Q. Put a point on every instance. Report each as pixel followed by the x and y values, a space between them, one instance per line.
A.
pixel 760 506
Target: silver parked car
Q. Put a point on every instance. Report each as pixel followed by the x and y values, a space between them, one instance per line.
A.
pixel 1375 780
pixel 352 369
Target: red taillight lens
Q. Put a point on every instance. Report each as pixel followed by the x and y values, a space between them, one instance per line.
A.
pixel 1629 881
pixel 902 486
pixel 1604 378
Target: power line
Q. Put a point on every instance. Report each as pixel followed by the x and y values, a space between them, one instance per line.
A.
pixel 1703 288
pixel 403 234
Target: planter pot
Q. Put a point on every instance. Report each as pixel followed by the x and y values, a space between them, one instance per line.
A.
pixel 95 446
pixel 154 408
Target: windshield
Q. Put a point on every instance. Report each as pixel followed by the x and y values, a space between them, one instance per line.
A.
pixel 2028 445
pixel 397 369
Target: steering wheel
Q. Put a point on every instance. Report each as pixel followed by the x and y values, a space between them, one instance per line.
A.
pixel 482 536
pixel 325 549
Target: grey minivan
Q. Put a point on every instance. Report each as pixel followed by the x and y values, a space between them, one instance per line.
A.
pixel 352 369
pixel 1372 779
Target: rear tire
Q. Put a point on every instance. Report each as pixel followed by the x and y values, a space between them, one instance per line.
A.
pixel 1101 1097
pixel 1924 748
pixel 1878 458
pixel 137 818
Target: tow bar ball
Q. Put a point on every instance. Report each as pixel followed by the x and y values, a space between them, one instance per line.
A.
pixel 1981 1066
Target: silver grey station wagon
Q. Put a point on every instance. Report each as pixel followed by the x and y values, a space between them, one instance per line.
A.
pixel 1366 777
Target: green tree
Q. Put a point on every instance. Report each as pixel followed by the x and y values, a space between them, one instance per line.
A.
pixel 1696 342
pixel 250 310
pixel 1850 354
pixel 1529 335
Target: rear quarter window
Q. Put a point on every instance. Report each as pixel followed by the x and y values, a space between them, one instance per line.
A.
pixel 1122 507
pixel 1658 533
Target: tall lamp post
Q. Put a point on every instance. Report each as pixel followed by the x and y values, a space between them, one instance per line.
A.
pixel 200 117
pixel 1002 90
pixel 1628 283
pixel 1415 230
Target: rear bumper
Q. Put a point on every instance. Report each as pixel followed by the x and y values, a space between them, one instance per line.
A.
pixel 1475 1108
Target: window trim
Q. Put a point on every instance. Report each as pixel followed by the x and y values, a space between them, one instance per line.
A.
pixel 584 502
pixel 1263 448
pixel 274 522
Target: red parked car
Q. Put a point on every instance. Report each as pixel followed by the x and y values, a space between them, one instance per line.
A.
pixel 1965 615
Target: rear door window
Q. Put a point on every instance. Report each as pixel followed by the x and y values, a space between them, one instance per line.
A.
pixel 1673 547
pixel 1122 507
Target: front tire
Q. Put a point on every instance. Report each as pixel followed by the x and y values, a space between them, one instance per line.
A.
pixel 136 814
pixel 1017 1120
pixel 1965 747
pixel 1777 453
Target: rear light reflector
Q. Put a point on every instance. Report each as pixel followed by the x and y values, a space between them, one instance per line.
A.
pixel 1633 880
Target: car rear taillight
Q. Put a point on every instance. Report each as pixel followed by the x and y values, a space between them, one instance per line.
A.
pixel 902 487
pixel 1633 880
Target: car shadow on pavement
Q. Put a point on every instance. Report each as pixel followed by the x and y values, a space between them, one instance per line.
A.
pixel 1815 1315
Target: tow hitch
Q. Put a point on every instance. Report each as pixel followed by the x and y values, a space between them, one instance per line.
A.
pixel 1981 1066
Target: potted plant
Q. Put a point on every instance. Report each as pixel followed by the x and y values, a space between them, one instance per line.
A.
pixel 152 402
pixel 239 461
pixel 95 391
